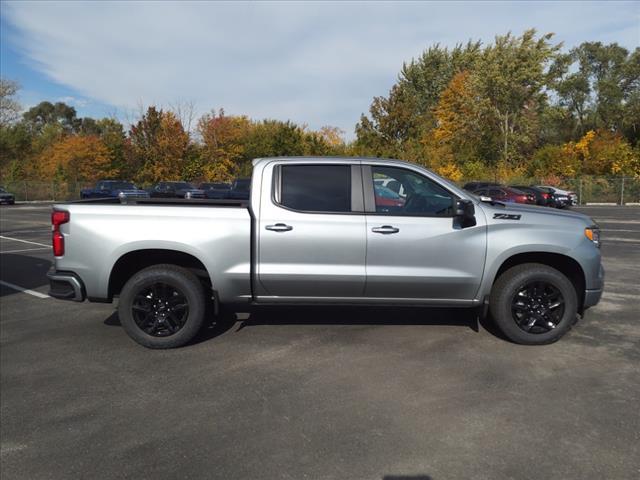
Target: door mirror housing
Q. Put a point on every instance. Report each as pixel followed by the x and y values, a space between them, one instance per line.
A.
pixel 465 213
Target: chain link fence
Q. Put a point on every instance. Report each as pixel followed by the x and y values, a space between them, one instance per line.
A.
pixel 590 189
pixel 27 191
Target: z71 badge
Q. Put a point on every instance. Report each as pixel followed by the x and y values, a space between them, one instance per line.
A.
pixel 506 216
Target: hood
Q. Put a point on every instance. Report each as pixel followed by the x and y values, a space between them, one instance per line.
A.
pixel 6 194
pixel 533 211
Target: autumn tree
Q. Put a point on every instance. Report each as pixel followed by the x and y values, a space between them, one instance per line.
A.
pixel 397 122
pixel 224 139
pixel 77 159
pixel 159 145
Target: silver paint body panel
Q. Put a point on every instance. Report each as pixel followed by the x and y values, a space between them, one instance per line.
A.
pixel 327 257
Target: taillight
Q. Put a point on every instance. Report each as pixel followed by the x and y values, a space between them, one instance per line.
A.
pixel 58 217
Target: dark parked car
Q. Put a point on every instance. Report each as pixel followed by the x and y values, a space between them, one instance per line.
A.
pixel 6 197
pixel 240 189
pixel 215 189
pixel 564 198
pixel 543 198
pixel 112 189
pixel 175 190
pixel 506 194
pixel 473 186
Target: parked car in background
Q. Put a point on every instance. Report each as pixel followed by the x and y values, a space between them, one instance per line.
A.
pixel 215 190
pixel 6 197
pixel 385 197
pixel 543 198
pixel 175 190
pixel 572 197
pixel 560 197
pixel 391 184
pixel 473 186
pixel 240 189
pixel 113 189
pixel 506 194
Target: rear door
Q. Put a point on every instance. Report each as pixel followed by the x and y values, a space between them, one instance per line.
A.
pixel 416 250
pixel 312 238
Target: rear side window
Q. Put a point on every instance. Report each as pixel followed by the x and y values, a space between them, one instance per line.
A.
pixel 316 188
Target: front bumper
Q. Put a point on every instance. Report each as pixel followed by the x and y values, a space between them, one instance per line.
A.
pixel 592 296
pixel 66 286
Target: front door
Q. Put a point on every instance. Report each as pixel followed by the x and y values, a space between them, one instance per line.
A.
pixel 416 251
pixel 312 238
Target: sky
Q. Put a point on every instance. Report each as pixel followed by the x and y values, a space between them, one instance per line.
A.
pixel 315 63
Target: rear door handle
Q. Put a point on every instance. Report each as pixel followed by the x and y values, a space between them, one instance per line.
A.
pixel 279 227
pixel 385 229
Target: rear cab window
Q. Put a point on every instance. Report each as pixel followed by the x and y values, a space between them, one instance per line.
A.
pixel 315 188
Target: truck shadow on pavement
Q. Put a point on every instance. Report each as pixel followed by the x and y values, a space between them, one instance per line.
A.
pixel 321 315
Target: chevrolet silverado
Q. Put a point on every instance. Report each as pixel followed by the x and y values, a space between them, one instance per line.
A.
pixel 314 231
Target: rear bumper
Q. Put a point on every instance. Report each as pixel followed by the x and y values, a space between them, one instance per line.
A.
pixel 65 286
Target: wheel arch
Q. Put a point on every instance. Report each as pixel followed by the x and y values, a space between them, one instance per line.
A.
pixel 563 263
pixel 134 261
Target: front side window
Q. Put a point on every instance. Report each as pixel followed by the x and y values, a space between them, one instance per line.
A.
pixel 316 188
pixel 399 191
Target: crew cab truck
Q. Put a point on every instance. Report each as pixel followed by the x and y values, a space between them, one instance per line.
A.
pixel 314 232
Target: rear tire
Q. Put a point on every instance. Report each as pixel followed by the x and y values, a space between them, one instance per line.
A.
pixel 533 304
pixel 162 306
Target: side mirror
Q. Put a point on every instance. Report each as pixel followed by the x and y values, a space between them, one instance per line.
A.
pixel 465 213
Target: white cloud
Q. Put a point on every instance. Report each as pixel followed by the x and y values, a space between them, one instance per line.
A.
pixel 74 101
pixel 317 63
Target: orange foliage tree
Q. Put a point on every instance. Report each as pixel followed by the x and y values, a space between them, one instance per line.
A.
pixel 159 146
pixel 223 139
pixel 76 158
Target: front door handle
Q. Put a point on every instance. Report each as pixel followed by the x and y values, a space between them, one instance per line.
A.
pixel 385 229
pixel 279 227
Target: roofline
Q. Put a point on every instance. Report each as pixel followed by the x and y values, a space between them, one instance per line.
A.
pixel 255 161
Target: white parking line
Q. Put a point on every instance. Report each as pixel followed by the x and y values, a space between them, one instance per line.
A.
pixel 614 239
pixel 23 290
pixel 24 250
pixel 24 241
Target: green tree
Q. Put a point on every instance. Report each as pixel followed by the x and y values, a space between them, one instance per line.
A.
pixel 47 113
pixel 600 86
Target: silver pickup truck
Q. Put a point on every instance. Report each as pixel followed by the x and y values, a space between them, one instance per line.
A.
pixel 328 231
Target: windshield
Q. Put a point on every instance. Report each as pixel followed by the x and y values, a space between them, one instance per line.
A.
pixel 181 185
pixel 2 190
pixel 241 185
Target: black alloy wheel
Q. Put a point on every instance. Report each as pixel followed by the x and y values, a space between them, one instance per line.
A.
pixel 537 307
pixel 160 310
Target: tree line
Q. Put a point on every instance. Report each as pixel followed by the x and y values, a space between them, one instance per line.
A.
pixel 518 107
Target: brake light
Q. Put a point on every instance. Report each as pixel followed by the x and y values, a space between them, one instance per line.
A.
pixel 58 217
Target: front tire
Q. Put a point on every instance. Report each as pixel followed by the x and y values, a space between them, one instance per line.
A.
pixel 162 306
pixel 533 304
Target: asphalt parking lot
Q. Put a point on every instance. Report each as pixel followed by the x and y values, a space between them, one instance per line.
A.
pixel 315 394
